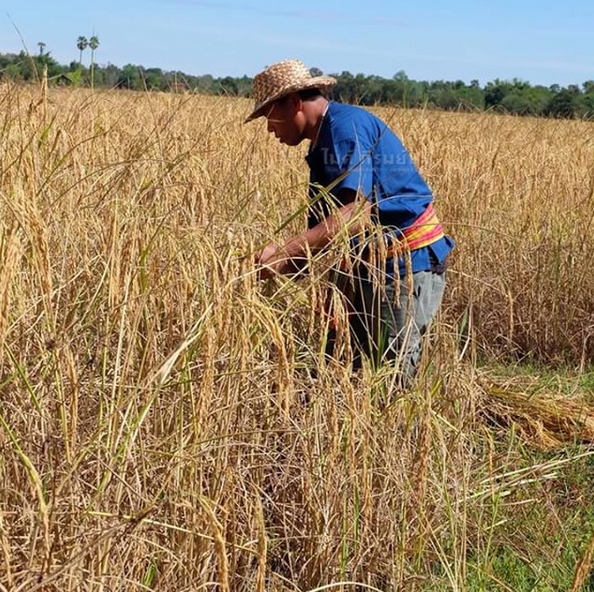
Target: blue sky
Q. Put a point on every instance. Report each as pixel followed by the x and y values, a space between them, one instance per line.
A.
pixel 543 42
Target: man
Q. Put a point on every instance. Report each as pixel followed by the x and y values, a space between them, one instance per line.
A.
pixel 362 181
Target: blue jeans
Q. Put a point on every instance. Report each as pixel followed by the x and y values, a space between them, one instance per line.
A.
pixel 387 329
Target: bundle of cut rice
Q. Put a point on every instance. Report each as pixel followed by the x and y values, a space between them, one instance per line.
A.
pixel 545 419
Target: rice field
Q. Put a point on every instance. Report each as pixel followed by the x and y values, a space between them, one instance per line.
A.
pixel 168 422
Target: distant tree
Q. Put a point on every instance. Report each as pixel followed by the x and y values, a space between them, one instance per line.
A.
pixel 444 97
pixel 109 75
pixel 564 104
pixel 131 77
pixel 586 104
pixel 541 96
pixel 360 89
pixel 315 71
pixel 520 84
pixel 13 72
pixel 81 44
pixel 344 89
pixel 204 83
pixel 374 91
pixel 517 103
pixel 27 66
pixel 416 93
pixel 471 98
pixel 154 79
pixel 495 93
pixel 93 44
pixel 228 86
pixel 41 45
pixel 244 86
pixel 54 69
pixel 395 90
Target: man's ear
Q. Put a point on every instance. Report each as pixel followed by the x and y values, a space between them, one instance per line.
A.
pixel 295 101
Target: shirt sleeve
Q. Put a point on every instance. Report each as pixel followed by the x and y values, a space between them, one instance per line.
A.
pixel 354 167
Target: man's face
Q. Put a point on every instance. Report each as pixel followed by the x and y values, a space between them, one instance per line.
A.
pixel 284 121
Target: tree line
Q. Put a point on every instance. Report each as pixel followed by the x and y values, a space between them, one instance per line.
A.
pixel 515 97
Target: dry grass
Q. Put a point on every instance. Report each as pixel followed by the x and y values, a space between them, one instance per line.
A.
pixel 159 426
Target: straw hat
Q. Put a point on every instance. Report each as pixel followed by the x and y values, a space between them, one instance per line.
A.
pixel 283 78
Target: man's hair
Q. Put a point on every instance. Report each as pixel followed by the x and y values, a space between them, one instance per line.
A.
pixel 309 93
pixel 306 95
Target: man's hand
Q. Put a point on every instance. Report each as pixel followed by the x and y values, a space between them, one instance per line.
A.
pixel 272 260
pixel 291 257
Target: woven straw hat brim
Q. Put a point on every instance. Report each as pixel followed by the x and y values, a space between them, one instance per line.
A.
pixel 324 83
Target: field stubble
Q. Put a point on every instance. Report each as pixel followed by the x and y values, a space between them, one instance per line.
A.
pixel 159 424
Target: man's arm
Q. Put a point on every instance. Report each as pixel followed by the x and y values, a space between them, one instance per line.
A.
pixel 355 214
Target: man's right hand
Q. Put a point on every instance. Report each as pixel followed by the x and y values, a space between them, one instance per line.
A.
pixel 271 260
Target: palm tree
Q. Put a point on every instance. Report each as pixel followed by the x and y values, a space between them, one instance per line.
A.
pixel 93 44
pixel 81 44
pixel 41 45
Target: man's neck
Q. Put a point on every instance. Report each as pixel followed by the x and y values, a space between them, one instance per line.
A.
pixel 316 110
